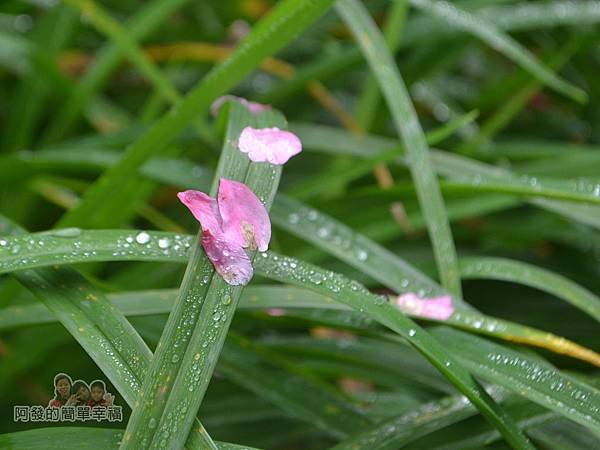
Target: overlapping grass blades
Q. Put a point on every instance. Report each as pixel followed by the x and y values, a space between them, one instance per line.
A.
pixel 336 287
pixel 194 334
pixel 405 119
pixel 282 24
pixel 102 331
pixel 107 59
pixel 487 32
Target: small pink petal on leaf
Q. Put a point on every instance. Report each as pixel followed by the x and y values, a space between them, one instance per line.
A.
pixel 276 312
pixel 230 260
pixel 254 107
pixel 245 219
pixel 269 144
pixel 440 308
pixel 204 208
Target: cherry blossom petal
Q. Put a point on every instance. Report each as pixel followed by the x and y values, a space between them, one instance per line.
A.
pixel 440 308
pixel 229 259
pixel 204 208
pixel 269 144
pixel 276 312
pixel 254 107
pixel 245 219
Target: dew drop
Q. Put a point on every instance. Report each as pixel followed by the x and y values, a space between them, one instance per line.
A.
pixel 361 255
pixel 412 332
pixel 164 242
pixel 142 238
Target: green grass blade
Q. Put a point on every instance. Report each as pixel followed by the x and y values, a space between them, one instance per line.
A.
pixel 74 245
pixel 324 181
pixel 478 434
pixel 355 249
pixel 102 331
pixel 192 339
pixel 335 286
pixel 335 141
pixel 274 31
pixel 530 275
pixel 370 98
pixel 161 301
pixel 397 432
pixel 527 15
pixel 491 35
pixel 405 119
pixel 76 438
pixel 538 381
pixel 354 295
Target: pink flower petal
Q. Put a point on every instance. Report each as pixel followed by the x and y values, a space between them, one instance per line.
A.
pixel 254 107
pixel 230 260
pixel 204 208
pixel 439 308
pixel 276 312
pixel 245 219
pixel 269 144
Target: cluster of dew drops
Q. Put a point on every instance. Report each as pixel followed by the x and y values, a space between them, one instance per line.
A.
pixel 313 224
pixel 539 375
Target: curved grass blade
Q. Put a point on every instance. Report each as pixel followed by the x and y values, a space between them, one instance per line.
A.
pixel 74 245
pixel 580 192
pixel 281 25
pixel 506 45
pixel 357 297
pixel 335 141
pixel 325 180
pixel 530 275
pixel 335 286
pixel 76 438
pixel 527 15
pixel 407 124
pixel 150 15
pixel 475 433
pixel 161 301
pixel 395 433
pixel 103 332
pixel 534 379
pixel 528 376
pixel 393 272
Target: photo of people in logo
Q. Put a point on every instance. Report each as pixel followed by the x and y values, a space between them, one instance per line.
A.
pixel 73 401
pixel 78 393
